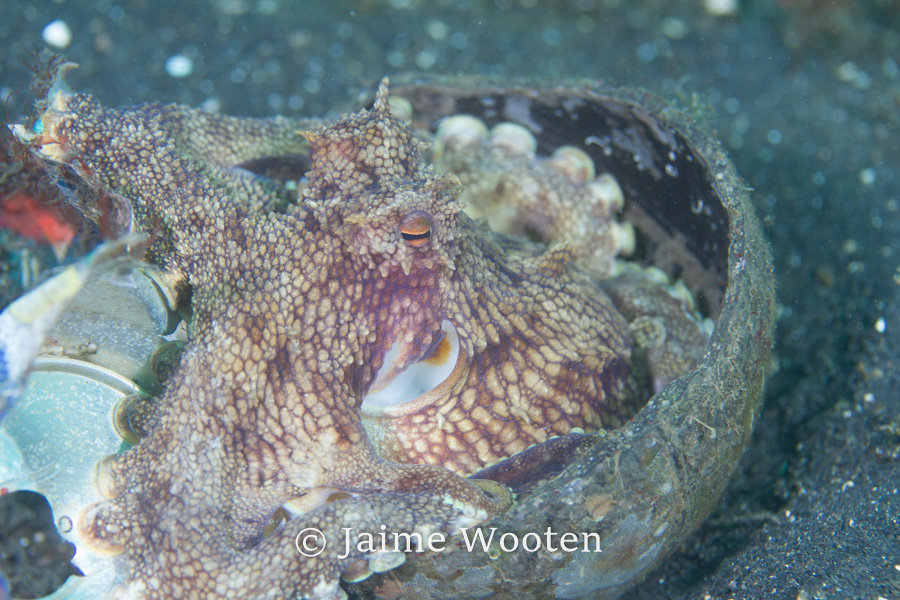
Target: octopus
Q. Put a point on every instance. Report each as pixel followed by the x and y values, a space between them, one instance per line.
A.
pixel 356 351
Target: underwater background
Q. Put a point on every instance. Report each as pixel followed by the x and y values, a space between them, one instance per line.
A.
pixel 803 93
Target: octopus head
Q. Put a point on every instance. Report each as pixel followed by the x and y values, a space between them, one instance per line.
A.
pixel 370 188
pixel 395 226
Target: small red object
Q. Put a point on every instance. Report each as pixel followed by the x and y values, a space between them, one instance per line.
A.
pixel 40 222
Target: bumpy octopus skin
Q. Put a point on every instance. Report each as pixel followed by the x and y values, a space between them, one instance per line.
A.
pixel 295 314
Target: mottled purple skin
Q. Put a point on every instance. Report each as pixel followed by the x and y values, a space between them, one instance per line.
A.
pixel 293 314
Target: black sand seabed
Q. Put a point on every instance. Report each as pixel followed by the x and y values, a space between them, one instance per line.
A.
pixel 806 95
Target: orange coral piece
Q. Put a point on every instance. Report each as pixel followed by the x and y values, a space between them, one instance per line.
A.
pixel 44 223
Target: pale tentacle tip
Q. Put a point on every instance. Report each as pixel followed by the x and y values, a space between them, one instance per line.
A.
pixel 381 97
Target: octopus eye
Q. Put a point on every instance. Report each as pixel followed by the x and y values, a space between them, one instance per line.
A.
pixel 416 229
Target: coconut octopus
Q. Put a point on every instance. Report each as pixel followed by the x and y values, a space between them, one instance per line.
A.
pixel 356 353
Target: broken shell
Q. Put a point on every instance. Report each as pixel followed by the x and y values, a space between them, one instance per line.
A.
pixel 651 501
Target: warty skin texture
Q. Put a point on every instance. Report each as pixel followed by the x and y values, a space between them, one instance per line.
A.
pixel 543 349
pixel 293 314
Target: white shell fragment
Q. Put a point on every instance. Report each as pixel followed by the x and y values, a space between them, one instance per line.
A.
pixel 57 34
pixel 179 66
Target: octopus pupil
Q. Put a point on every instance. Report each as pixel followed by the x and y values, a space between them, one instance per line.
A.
pixel 415 236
